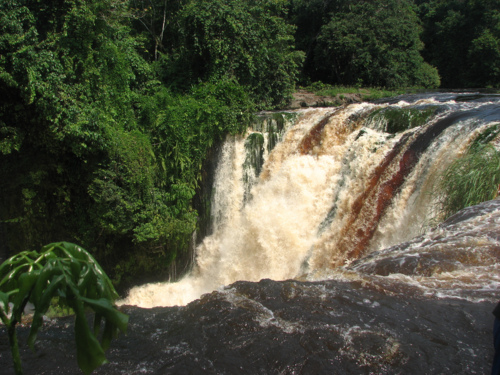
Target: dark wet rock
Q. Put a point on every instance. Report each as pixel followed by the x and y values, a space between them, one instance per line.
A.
pixel 288 327
pixel 471 212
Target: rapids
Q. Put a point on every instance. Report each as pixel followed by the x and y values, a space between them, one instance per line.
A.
pixel 330 187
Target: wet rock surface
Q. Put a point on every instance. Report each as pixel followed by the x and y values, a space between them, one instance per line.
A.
pixel 289 327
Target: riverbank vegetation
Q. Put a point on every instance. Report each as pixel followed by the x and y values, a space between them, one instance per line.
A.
pixel 470 180
pixel 364 93
pixel 110 107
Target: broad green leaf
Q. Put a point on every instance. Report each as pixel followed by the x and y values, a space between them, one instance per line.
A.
pixel 76 267
pixel 108 334
pixel 11 276
pixel 41 306
pixel 25 282
pixel 97 324
pixel 86 282
pixel 48 272
pixel 12 266
pixel 65 270
pixel 89 352
pixel 108 311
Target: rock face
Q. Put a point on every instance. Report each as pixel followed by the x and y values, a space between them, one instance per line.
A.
pixel 289 327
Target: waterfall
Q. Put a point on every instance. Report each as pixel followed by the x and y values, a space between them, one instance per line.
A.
pixel 301 197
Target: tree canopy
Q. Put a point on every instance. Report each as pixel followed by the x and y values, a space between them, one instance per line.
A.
pixel 248 41
pixel 373 43
pixel 462 40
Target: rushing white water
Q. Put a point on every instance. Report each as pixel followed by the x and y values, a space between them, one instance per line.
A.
pixel 457 259
pixel 337 187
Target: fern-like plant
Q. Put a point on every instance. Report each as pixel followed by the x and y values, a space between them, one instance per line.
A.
pixel 66 271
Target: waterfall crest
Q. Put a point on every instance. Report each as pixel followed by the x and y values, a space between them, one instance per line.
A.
pixel 323 189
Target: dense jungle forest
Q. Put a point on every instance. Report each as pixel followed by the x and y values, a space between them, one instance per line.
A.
pixel 109 108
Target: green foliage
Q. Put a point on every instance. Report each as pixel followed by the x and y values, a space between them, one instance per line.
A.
pixel 462 40
pixel 470 180
pixel 71 78
pixel 71 274
pixel 380 42
pixel 309 16
pixel 93 146
pixel 248 41
pixel 185 126
pixel 373 43
pixel 488 135
pixel 254 145
pixel 157 23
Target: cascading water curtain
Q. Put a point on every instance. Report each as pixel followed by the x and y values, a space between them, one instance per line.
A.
pixel 302 198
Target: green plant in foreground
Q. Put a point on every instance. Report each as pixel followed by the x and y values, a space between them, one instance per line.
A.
pixel 66 271
pixel 471 179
